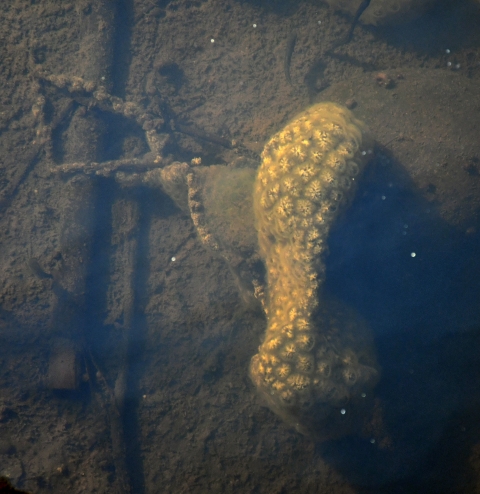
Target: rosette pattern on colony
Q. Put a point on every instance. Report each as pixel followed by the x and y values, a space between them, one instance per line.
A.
pixel 307 177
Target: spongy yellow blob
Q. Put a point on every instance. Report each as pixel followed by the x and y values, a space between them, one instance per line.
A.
pixel 306 179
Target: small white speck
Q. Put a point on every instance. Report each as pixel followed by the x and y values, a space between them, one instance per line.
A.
pixel 457 66
pixel 363 395
pixel 364 153
pixel 319 22
pixel 413 254
pixel 174 259
pixel 212 41
pixel 384 197
pixel 102 78
pixel 254 25
pixel 144 397
pixel 447 51
pixel 372 440
pixel 449 64
pixel 343 411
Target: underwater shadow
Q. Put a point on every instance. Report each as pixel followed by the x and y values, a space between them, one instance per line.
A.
pixel 452 25
pixel 414 278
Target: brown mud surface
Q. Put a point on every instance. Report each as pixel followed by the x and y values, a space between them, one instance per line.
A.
pixel 151 393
